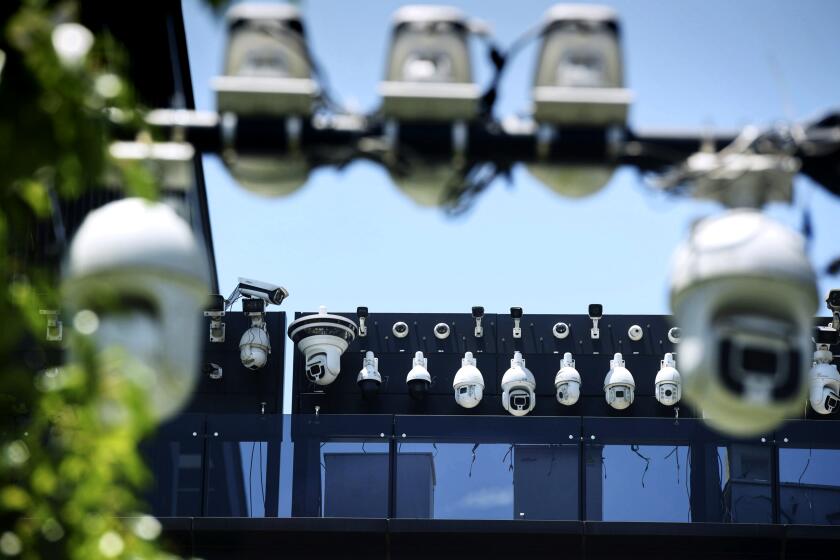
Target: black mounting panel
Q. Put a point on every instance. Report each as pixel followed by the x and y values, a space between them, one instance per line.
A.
pixel 541 349
pixel 241 390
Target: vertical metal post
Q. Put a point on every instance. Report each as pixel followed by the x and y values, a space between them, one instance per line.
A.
pixel 205 468
pixel 774 481
pixel 392 471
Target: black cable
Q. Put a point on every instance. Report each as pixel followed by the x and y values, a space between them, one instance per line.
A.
pixel 262 478
pixel 469 474
pixel 499 59
pixel 509 453
pixel 635 449
pixel 251 481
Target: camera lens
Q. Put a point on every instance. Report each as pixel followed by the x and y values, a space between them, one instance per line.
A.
pixel 619 394
pixel 441 329
pixel 668 392
pixel 400 328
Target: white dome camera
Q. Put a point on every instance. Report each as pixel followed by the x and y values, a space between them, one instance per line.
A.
pixel 468 383
pixel 518 386
pixel 619 386
pixel 418 379
pixel 442 331
pixel 560 330
pixel 141 277
pixel 668 386
pixel 674 335
pixel 567 381
pixel 322 338
pixel 635 333
pixel 254 347
pixel 400 329
pixel 744 294
pixel 825 379
pixel 369 378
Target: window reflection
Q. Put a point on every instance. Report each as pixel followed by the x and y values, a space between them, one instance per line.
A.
pixel 354 479
pixel 810 486
pixel 237 479
pixel 637 483
pixel 744 473
pixel 487 481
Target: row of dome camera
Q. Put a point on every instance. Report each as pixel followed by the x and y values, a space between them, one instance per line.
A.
pixel 742 291
pixel 519 384
pixel 269 70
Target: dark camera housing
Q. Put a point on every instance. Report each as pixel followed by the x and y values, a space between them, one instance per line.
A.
pixel 596 310
pixel 253 305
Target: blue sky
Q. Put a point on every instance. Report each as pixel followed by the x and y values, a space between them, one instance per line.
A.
pixel 350 238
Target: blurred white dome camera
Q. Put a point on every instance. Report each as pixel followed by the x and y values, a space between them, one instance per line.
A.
pixel 468 383
pixel 674 335
pixel 137 266
pixel 567 381
pixel 667 386
pixel 369 379
pixel 578 82
pixel 518 385
pixel 418 379
pixel 268 72
pixel 825 379
pixel 744 295
pixel 619 385
pixel 254 345
pixel 322 338
pixel 428 79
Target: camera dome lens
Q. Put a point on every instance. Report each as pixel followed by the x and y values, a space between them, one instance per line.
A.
pixel 441 329
pixel 668 392
pixel 400 328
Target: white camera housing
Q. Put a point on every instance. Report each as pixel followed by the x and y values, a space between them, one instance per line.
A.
pixel 322 338
pixel 400 329
pixel 468 383
pixel 418 379
pixel 744 295
pixel 667 386
pixel 635 333
pixel 268 71
pixel 369 379
pixel 619 385
pixel 567 381
pixel 137 265
pixel 254 345
pixel 429 71
pixel 825 382
pixel 560 330
pixel 674 334
pixel 269 293
pixel 518 385
pixel 442 331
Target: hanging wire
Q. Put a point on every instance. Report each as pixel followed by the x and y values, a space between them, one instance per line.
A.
pixel 499 59
pixel 799 483
pixel 251 480
pixel 635 449
pixel 509 453
pixel 472 462
pixel 262 477
pixel 435 447
pixel 553 459
pixel 673 451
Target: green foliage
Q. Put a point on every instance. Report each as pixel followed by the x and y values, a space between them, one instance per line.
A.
pixel 69 465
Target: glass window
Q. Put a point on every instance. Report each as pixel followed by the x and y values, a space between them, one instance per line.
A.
pixel 354 479
pixel 487 481
pixel 237 478
pixel 810 486
pixel 744 473
pixel 637 483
